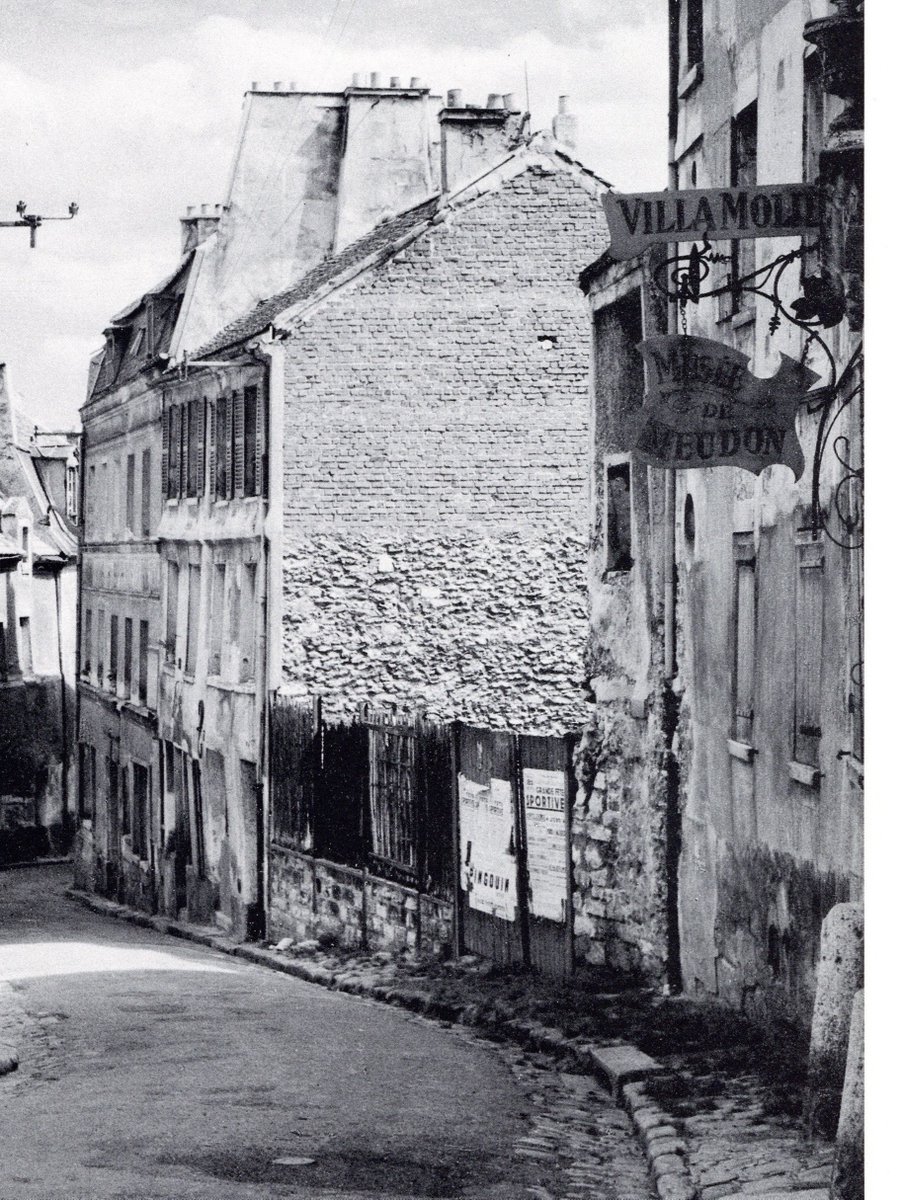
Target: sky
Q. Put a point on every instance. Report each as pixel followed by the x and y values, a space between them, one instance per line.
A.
pixel 131 108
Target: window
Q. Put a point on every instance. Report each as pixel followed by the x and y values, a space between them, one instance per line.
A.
pixel 694 32
pixel 100 645
pixel 140 820
pixel 145 493
pixel 223 447
pixel 130 493
pixel 72 493
pixel 253 442
pixel 172 609
pixel 743 173
pixel 26 550
pixel 25 659
pixel 199 447
pixel 114 652
pixel 189 418
pixel 618 540
pixel 809 625
pixel 127 658
pixel 87 779
pixel 200 855
pixel 172 451
pixel 217 616
pixel 238 447
pixel 192 631
pixel 143 652
pixel 86 643
pixel 248 605
pixel 744 608
pixel 392 773
pixel 235 609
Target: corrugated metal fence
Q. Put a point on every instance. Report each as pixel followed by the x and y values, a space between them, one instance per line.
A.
pixel 471 816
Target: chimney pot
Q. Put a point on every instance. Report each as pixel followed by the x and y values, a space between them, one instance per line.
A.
pixel 416 81
pixel 375 79
pixel 355 79
pixel 455 98
pixel 395 81
pixel 563 104
pixel 510 101
pixel 254 85
pixel 190 211
pixel 494 100
pixel 277 86
pixel 203 209
pixel 293 86
pixel 563 125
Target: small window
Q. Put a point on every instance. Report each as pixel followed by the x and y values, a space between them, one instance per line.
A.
pixel 619 541
pixel 744 612
pixel 25 657
pixel 809 634
pixel 143 653
pixel 695 32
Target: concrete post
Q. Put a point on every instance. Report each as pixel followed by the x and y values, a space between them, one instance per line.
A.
pixel 840 974
pixel 848 1165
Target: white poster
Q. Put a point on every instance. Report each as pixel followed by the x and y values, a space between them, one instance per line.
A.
pixel 547 851
pixel 488 865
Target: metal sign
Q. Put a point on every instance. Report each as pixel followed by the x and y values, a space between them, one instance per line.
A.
pixel 638 219
pixel 704 408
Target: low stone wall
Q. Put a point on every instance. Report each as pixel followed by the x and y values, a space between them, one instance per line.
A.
pixel 314 898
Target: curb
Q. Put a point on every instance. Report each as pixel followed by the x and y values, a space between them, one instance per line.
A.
pixel 620 1067
pixel 21 864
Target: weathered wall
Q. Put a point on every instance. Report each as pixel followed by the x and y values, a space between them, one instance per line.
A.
pixel 313 898
pixel 766 851
pixel 435 478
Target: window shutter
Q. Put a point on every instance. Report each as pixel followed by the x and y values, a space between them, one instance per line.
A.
pixel 183 451
pixel 227 439
pixel 238 438
pixel 200 413
pixel 259 449
pixel 164 462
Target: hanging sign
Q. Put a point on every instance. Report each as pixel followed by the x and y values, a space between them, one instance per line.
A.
pixel 704 408
pixel 637 219
pixel 487 860
pixel 547 848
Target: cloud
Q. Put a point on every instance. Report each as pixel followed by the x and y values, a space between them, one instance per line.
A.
pixel 139 117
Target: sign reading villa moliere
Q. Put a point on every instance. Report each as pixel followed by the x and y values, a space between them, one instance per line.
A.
pixel 704 408
pixel 638 219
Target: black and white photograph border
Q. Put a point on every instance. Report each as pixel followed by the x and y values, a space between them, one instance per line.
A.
pixel 432 575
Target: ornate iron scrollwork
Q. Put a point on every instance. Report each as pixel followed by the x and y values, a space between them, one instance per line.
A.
pixel 689 277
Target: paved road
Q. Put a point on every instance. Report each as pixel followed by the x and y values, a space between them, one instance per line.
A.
pixel 153 1068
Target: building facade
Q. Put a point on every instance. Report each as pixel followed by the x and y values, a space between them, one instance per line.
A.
pixel 759 808
pixel 38 568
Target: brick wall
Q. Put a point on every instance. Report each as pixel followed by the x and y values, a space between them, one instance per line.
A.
pixel 437 430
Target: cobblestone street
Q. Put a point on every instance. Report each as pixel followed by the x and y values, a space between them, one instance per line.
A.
pixel 150 1068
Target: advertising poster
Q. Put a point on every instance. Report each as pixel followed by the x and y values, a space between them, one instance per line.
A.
pixel 488 865
pixel 545 800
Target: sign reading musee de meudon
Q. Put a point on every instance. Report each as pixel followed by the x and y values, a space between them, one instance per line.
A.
pixel 704 408
pixel 637 219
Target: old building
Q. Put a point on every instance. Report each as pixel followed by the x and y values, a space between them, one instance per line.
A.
pixel 374 480
pixel 38 496
pixel 722 799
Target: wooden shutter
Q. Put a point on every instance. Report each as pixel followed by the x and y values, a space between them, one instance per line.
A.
pixel 200 414
pixel 183 450
pixel 744 634
pixel 809 639
pixel 228 401
pixel 238 442
pixel 164 461
pixel 251 442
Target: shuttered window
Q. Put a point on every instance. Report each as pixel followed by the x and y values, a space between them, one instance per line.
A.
pixel 200 442
pixel 189 416
pixel 809 641
pixel 127 650
pixel 164 458
pixel 229 445
pixel 184 450
pixel 237 444
pixel 114 652
pixel 223 455
pixel 253 442
pixel 744 609
pixel 130 494
pixel 143 652
pixel 145 493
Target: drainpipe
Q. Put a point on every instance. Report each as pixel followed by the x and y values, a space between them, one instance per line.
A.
pixel 269 659
pixel 673 823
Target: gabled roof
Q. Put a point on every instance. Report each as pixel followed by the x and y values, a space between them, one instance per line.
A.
pixel 393 234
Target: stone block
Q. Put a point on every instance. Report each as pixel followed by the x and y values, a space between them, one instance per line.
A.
pixel 623 1064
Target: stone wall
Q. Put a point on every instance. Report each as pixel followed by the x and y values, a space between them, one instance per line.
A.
pixel 314 898
pixel 437 421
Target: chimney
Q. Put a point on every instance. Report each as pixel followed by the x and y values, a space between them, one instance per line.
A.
pixel 563 126
pixel 387 163
pixel 197 226
pixel 474 139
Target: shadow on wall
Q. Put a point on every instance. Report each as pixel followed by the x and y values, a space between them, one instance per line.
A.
pixel 33 820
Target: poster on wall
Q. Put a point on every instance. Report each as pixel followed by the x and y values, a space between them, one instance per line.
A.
pixel 488 865
pixel 547 849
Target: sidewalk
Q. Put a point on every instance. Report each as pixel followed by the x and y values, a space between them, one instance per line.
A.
pixel 716 1107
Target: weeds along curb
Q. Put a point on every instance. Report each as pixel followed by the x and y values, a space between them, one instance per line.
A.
pixel 620 1067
